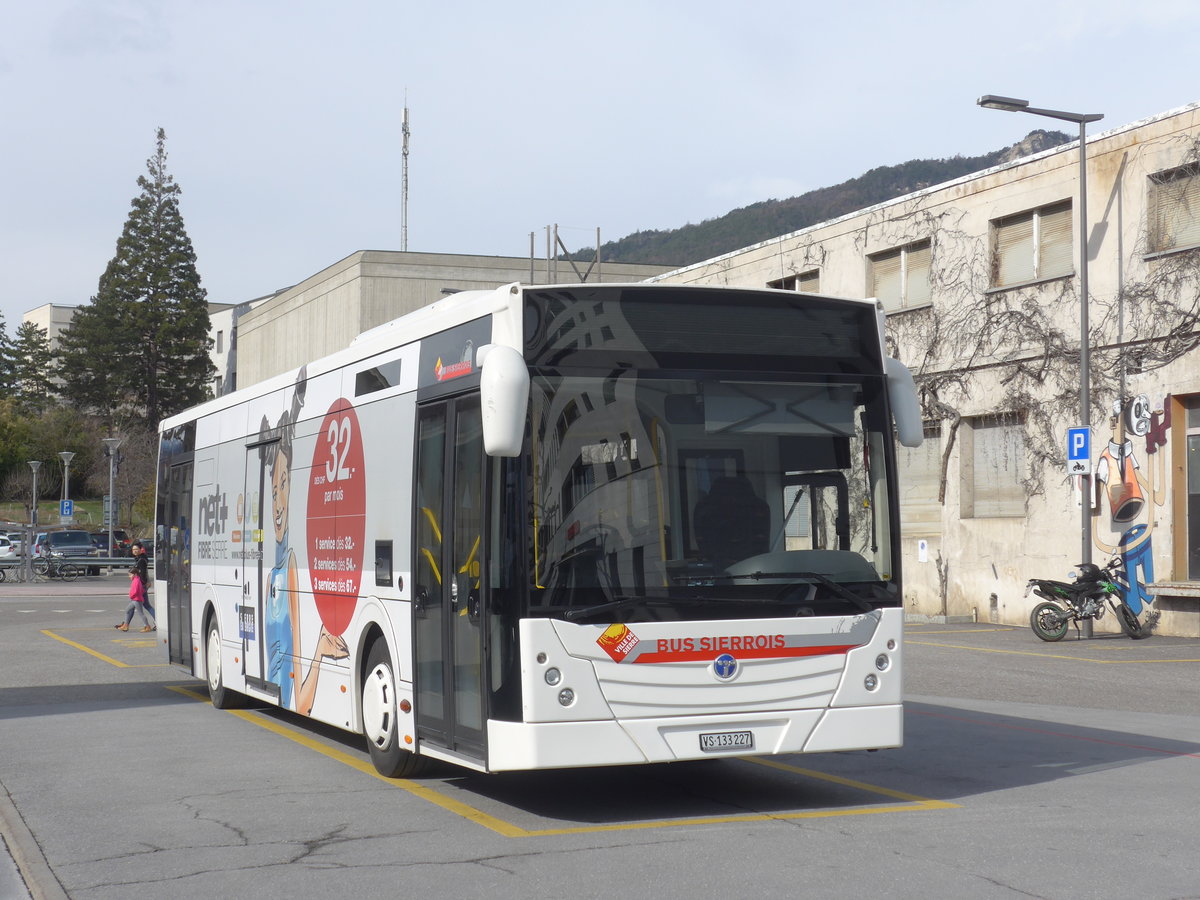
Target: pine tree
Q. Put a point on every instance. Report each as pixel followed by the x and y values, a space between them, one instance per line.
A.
pixel 140 350
pixel 6 359
pixel 31 368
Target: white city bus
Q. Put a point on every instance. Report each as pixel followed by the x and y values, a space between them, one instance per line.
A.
pixel 558 526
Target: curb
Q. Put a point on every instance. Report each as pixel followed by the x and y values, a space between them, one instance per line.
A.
pixel 114 585
pixel 40 879
pixel 920 619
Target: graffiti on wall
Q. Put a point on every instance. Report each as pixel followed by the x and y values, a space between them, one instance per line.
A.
pixel 1130 490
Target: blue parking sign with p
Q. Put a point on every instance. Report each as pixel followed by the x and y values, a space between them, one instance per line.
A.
pixel 1078 450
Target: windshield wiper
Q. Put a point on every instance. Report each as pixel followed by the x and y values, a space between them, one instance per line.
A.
pixel 622 602
pixel 842 591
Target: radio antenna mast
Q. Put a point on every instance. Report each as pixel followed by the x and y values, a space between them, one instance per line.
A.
pixel 404 187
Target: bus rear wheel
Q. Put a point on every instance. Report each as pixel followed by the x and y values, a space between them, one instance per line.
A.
pixel 221 696
pixel 380 718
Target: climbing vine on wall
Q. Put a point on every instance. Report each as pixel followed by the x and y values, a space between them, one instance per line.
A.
pixel 1014 351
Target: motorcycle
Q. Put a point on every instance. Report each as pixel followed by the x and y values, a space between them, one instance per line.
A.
pixel 1094 589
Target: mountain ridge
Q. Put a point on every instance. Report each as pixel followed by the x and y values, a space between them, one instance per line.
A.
pixel 766 219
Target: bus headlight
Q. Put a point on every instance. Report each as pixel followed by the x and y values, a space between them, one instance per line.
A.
pixel 553 676
pixel 871 682
pixel 566 697
pixel 882 662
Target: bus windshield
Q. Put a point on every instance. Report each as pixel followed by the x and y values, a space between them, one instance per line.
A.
pixel 732 495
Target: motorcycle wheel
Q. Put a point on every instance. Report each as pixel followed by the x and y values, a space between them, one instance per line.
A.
pixel 1129 621
pixel 1049 621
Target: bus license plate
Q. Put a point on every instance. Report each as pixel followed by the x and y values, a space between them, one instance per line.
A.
pixel 727 740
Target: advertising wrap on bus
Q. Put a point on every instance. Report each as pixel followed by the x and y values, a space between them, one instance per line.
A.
pixel 559 526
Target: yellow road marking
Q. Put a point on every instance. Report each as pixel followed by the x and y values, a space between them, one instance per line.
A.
pixel 361 765
pixel 913 803
pixel 1105 662
pixel 97 653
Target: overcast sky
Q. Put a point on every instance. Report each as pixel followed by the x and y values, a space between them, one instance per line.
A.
pixel 283 117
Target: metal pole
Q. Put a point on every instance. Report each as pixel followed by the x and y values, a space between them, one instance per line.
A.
pixel 66 456
pixel 112 500
pixel 34 464
pixel 110 446
pixel 1085 480
pixel 1012 104
pixel 404 187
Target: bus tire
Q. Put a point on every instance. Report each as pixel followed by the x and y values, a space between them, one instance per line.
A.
pixel 380 717
pixel 221 696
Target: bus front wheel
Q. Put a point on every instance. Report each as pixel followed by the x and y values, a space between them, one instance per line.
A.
pixel 380 718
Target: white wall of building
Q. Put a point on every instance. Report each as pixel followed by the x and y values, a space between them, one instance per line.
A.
pixel 326 311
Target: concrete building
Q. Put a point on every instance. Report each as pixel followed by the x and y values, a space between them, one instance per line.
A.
pixel 980 278
pixel 223 321
pixel 53 318
pixel 326 311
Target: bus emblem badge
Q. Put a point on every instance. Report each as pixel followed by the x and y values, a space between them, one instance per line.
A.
pixel 618 641
pixel 725 666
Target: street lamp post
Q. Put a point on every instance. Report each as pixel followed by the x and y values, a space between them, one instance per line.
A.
pixel 66 456
pixel 34 464
pixel 1010 104
pixel 110 449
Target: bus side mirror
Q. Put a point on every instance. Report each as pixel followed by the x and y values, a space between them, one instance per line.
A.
pixel 906 411
pixel 504 398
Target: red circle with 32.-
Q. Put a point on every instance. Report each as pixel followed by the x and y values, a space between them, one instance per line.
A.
pixel 337 506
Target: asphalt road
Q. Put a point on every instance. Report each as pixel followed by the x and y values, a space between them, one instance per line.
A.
pixel 1034 770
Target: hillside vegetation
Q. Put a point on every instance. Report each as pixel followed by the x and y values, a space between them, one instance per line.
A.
pixel 771 218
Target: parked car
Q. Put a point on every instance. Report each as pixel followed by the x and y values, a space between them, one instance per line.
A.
pixel 69 543
pixel 121 542
pixel 7 550
pixel 17 539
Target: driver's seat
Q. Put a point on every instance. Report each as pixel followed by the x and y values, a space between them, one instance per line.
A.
pixel 731 522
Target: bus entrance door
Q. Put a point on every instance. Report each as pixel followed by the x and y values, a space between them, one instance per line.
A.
pixel 448 566
pixel 257 586
pixel 173 559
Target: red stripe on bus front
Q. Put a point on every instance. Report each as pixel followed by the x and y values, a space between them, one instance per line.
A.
pixel 764 653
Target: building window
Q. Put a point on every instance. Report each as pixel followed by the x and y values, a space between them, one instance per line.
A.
pixel 220 342
pixel 921 469
pixel 1174 209
pixel 807 282
pixel 1032 246
pixel 217 384
pixel 992 461
pixel 1188 543
pixel 900 277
